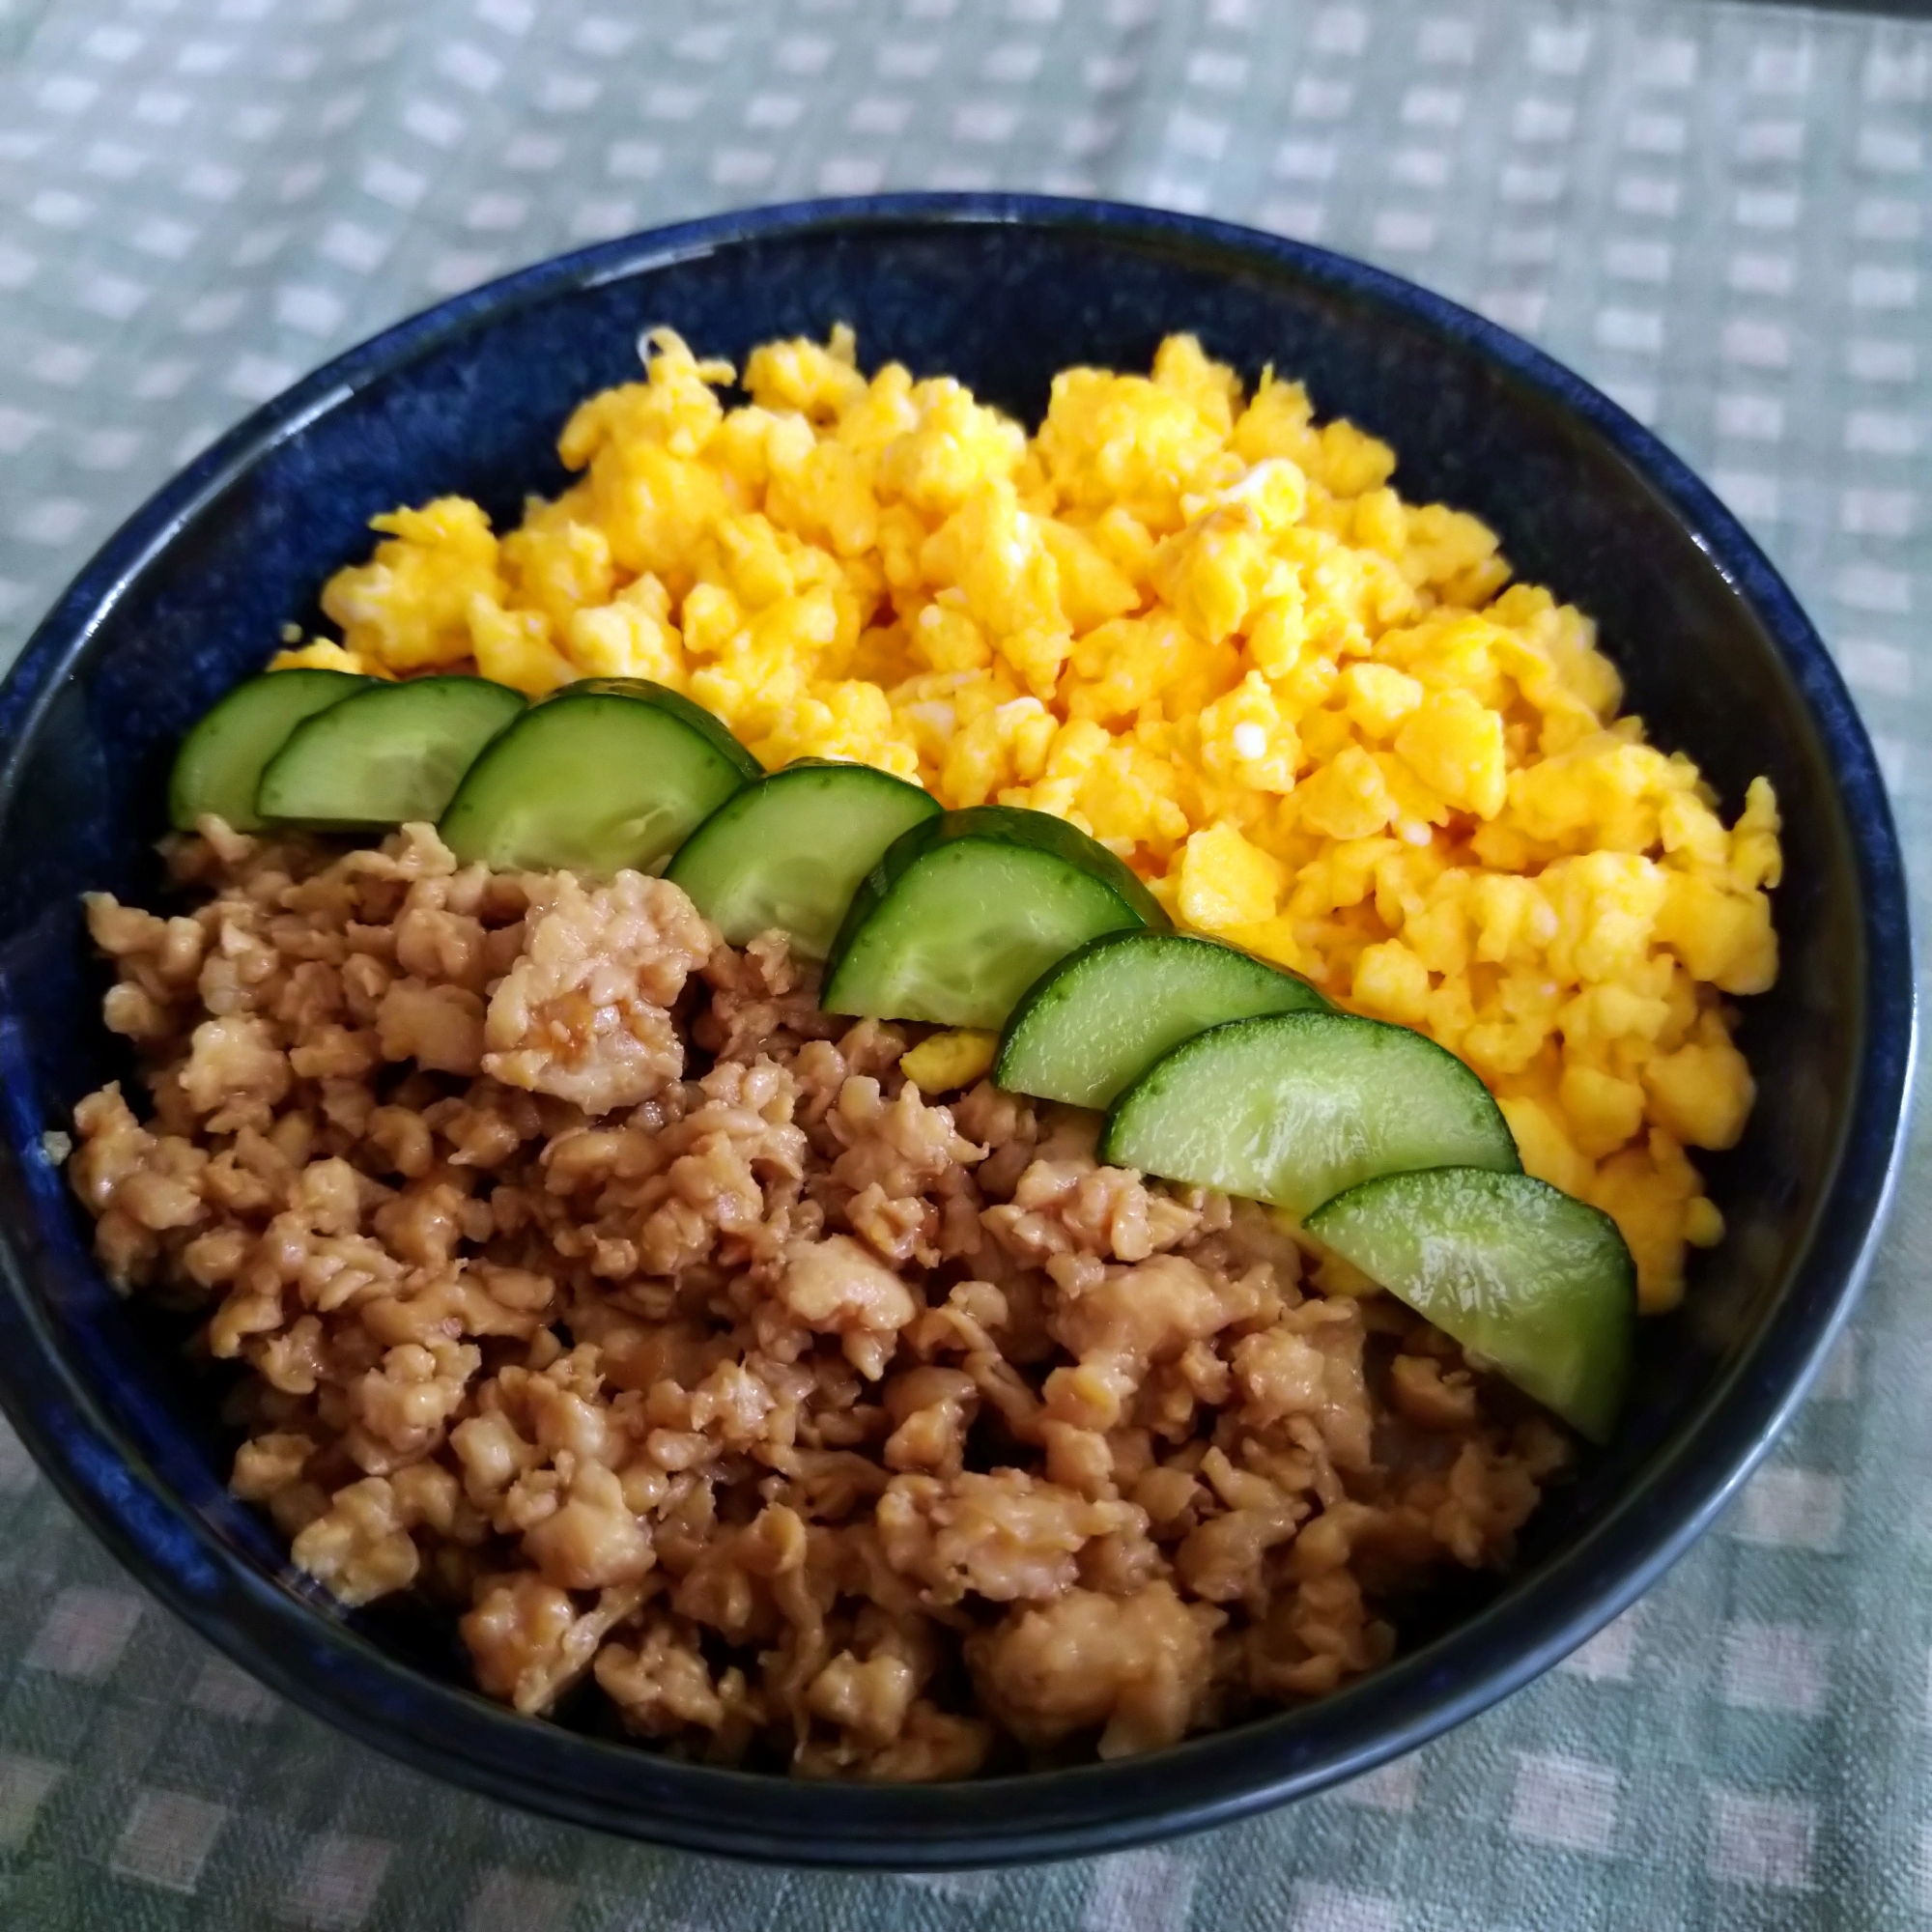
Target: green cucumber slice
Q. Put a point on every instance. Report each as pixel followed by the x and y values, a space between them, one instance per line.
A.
pixel 790 850
pixel 965 911
pixel 219 764
pixel 388 755
pixel 648 691
pixel 602 775
pixel 1093 1025
pixel 1530 1278
pixel 1293 1108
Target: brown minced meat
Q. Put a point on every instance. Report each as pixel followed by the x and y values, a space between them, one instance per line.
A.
pixel 590 1282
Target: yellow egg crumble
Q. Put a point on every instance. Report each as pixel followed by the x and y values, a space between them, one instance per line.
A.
pixel 1321 722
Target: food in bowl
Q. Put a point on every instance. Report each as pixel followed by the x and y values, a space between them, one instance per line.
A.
pixel 611 1270
pixel 1323 724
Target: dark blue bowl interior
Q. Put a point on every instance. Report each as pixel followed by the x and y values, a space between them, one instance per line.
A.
pixel 1001 294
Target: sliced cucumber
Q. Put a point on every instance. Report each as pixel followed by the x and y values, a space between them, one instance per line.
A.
pixel 1293 1108
pixel 790 850
pixel 607 774
pixel 965 911
pixel 387 755
pixel 1537 1282
pixel 1089 1027
pixel 219 764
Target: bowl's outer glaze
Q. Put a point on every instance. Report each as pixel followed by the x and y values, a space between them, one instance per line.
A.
pixel 1000 292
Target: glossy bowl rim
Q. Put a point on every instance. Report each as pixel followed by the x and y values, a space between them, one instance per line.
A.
pixel 1209 1780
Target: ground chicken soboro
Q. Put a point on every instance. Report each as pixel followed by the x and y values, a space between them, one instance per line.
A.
pixel 589 1280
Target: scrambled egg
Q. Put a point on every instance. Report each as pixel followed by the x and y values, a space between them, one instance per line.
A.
pixel 944 1063
pixel 1321 722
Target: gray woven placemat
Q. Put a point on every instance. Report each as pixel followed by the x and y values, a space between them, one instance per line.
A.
pixel 1721 213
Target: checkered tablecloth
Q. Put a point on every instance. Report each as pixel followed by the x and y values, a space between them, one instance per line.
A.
pixel 1723 214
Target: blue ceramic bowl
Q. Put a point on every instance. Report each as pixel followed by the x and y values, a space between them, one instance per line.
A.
pixel 1000 292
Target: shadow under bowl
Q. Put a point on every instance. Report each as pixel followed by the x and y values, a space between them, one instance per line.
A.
pixel 1000 292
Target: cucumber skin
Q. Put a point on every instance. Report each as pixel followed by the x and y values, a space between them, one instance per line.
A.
pixel 388 691
pixel 1120 1116
pixel 689 857
pixel 184 810
pixel 647 690
pixel 1052 989
pixel 1591 1413
pixel 995 825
